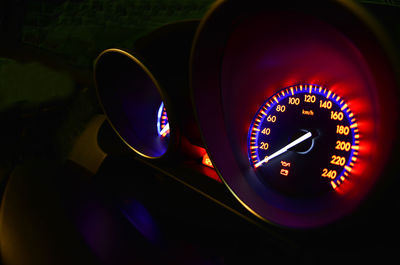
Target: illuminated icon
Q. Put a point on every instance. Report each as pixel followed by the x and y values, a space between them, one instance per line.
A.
pixel 284 172
pixel 285 164
pixel 207 161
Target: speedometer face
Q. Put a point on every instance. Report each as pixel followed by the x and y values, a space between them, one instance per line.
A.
pixel 304 141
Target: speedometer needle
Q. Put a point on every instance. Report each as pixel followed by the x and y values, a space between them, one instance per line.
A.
pixel 284 149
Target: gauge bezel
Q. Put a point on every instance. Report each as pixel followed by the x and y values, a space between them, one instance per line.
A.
pixel 114 66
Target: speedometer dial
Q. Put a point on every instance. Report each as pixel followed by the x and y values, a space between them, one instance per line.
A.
pixel 304 141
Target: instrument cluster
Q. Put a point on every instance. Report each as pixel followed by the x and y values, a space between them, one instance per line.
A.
pixel 294 106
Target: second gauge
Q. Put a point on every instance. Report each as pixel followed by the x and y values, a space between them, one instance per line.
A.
pixel 162 121
pixel 304 141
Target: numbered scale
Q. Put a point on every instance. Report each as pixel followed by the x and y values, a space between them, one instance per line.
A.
pixel 304 141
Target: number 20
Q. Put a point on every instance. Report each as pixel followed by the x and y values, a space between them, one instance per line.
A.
pixel 264 146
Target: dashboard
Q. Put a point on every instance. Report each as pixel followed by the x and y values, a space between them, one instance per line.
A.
pixel 256 132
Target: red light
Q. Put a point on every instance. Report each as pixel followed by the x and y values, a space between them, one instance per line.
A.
pixel 206 161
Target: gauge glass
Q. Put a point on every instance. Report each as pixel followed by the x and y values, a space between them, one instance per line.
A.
pixel 304 141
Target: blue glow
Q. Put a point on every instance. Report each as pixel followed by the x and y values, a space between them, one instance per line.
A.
pixel 160 110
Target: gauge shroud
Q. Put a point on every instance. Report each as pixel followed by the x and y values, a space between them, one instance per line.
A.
pixel 304 141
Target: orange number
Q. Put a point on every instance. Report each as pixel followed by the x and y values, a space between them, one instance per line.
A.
pixel 338 160
pixel 294 101
pixel 336 115
pixel 340 129
pixel 280 108
pixel 310 98
pixel 325 104
pixel 271 118
pixel 342 145
pixel 266 131
pixel 264 146
pixel 329 173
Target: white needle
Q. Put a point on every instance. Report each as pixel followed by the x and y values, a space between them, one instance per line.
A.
pixel 165 129
pixel 284 149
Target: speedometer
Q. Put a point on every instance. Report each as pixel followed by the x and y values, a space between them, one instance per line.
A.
pixel 304 141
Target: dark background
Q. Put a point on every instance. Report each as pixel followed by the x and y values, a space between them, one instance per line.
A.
pixel 47 96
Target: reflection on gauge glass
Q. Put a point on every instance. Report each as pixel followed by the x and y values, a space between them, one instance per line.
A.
pixel 304 141
pixel 162 121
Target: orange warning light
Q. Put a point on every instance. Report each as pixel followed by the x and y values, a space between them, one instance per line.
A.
pixel 284 172
pixel 206 161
